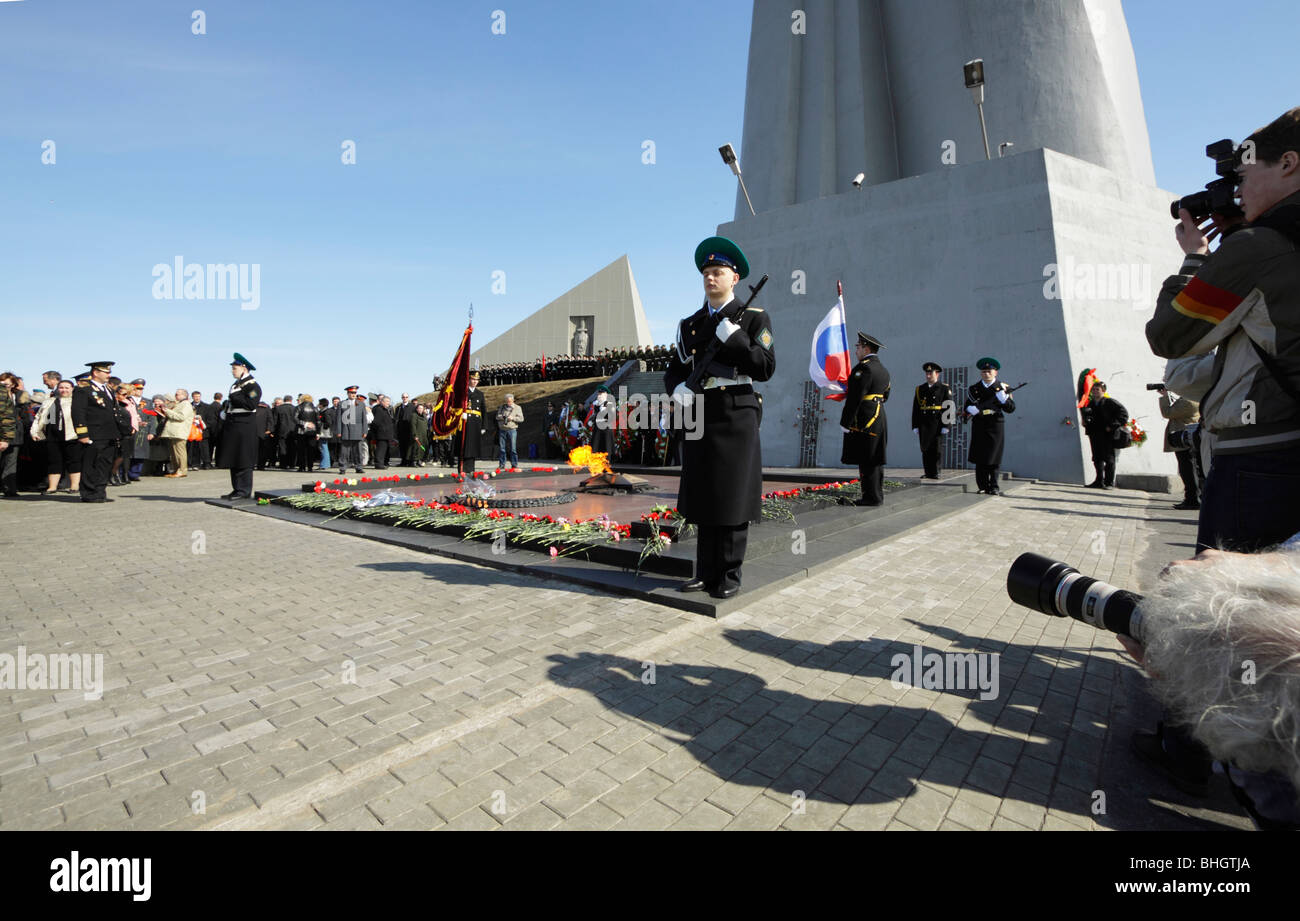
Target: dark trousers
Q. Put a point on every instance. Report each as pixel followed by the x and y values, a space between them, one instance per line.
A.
pixel 930 455
pixel 96 467
pixel 265 451
pixel 719 553
pixel 286 449
pixel 1103 457
pixel 206 449
pixel 1251 501
pixel 380 454
pixel 1187 471
pixel 9 470
pixel 405 444
pixel 986 477
pixel 308 452
pixel 872 477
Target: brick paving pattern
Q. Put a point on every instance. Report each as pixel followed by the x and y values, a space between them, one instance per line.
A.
pixel 261 674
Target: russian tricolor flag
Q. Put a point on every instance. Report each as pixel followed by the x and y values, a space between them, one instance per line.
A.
pixel 830 352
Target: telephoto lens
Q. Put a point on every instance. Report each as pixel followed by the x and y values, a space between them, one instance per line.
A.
pixel 1059 589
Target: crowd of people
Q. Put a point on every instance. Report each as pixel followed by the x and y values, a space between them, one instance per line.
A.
pixel 574 367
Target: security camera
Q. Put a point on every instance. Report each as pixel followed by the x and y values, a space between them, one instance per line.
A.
pixel 857 180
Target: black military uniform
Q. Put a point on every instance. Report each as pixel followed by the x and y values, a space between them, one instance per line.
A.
pixel 928 406
pixel 722 470
pixel 101 421
pixel 866 433
pixel 239 433
pixel 469 443
pixel 986 410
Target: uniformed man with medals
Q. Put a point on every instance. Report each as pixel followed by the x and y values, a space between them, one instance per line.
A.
pixel 986 401
pixel 472 426
pixel 722 469
pixel 239 430
pixel 866 432
pixel 99 422
pixel 931 401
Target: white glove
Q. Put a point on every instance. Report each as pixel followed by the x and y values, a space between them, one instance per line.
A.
pixel 916 431
pixel 1002 396
pixel 844 430
pixel 725 329
pixel 943 431
pixel 972 411
pixel 683 395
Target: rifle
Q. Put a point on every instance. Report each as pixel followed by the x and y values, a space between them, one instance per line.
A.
pixel 993 396
pixel 702 362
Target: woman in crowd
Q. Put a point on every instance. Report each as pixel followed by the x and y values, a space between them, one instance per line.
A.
pixel 309 423
pixel 53 425
pixel 419 434
pixel 137 449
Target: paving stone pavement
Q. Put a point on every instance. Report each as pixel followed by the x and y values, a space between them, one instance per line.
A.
pixel 262 674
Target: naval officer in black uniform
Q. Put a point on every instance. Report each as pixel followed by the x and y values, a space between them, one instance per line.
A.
pixel 866 431
pixel 239 429
pixel 931 401
pixel 99 422
pixel 986 401
pixel 722 467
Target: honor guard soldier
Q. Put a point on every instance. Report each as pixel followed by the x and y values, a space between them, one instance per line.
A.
pixel 472 427
pixel 866 432
pixel 986 401
pixel 931 401
pixel 239 430
pixel 99 422
pixel 722 469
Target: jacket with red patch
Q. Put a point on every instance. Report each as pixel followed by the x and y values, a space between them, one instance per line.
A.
pixel 1243 296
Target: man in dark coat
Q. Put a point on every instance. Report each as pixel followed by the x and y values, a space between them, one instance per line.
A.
pixel 286 431
pixel 722 467
pixel 403 416
pixel 265 428
pixel 99 422
pixel 383 430
pixel 866 432
pixel 242 428
pixel 1103 417
pixel 986 401
pixel 473 424
pixel 213 434
pixel 929 405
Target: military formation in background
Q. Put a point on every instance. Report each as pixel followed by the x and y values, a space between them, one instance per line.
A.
pixel 569 367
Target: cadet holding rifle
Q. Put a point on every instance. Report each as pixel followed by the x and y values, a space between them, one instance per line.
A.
pixel 722 349
pixel 986 401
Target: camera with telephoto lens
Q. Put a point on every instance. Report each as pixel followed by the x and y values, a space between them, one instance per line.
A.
pixel 1186 439
pixel 1056 588
pixel 1220 196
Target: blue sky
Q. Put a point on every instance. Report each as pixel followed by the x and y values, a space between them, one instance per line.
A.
pixel 476 153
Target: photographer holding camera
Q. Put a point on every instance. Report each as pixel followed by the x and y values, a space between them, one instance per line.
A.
pixel 1244 301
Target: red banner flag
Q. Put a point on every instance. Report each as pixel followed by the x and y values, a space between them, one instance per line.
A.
pixel 449 411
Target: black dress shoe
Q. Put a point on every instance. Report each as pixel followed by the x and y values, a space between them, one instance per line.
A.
pixel 235 495
pixel 97 500
pixel 995 492
pixel 725 592
pixel 695 585
pixel 1186 506
pixel 1096 484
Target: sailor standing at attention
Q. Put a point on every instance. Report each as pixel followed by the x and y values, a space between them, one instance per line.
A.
pixel 722 467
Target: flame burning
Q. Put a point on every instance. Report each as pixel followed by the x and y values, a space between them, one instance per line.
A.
pixel 583 456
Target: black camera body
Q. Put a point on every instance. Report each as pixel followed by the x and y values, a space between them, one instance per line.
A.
pixel 1220 196
pixel 1158 386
